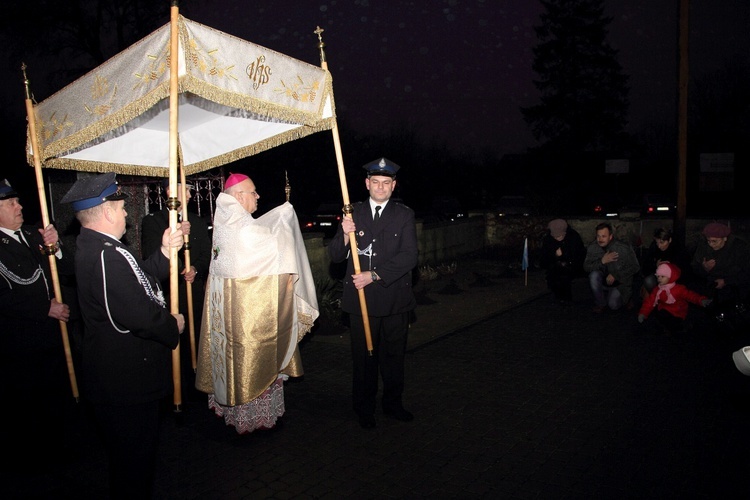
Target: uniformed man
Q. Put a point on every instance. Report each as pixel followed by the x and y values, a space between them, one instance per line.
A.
pixel 387 246
pixel 152 230
pixel 33 357
pixel 129 333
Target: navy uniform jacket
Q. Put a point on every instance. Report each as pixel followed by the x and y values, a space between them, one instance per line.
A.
pixel 390 250
pixel 152 229
pixel 129 333
pixel 25 296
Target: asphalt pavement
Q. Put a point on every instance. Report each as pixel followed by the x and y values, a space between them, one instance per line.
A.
pixel 533 400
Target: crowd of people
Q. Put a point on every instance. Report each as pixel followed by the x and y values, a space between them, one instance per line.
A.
pixel 714 274
pixel 254 299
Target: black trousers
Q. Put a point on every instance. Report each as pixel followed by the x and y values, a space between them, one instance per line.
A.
pixel 389 334
pixel 130 435
pixel 560 280
pixel 671 323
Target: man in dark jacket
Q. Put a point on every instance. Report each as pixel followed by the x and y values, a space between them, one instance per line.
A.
pixel 152 230
pixel 129 333
pixel 611 265
pixel 33 356
pixel 386 242
pixel 562 257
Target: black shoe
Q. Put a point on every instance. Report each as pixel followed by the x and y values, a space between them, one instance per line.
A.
pixel 398 414
pixel 367 421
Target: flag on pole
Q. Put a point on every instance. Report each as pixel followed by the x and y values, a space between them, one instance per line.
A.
pixel 525 261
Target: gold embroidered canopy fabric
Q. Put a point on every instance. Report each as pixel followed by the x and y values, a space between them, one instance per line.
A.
pixel 236 99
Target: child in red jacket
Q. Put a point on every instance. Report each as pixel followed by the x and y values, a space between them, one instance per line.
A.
pixel 670 299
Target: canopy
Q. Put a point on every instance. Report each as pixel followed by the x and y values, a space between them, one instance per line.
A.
pixel 236 99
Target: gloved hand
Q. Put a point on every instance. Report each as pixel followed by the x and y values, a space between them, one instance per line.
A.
pixel 706 302
pixel 641 318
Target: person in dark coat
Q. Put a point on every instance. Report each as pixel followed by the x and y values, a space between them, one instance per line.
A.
pixel 129 333
pixel 721 263
pixel 33 355
pixel 661 250
pixel 152 230
pixel 562 257
pixel 386 239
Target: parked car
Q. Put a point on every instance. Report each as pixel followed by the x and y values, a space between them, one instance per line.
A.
pixel 513 206
pixel 652 204
pixel 325 219
pixel 443 209
pixel 605 205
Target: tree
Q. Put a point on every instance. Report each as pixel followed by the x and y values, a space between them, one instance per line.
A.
pixel 64 40
pixel 720 109
pixel 584 93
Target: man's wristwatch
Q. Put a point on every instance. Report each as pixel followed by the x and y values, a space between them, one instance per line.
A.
pixel 374 276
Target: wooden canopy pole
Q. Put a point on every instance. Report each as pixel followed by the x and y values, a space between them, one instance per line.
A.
pixel 188 286
pixel 173 203
pixel 50 250
pixel 682 123
pixel 348 209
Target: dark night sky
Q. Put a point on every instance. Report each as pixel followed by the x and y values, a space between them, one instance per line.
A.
pixel 457 70
pixel 460 69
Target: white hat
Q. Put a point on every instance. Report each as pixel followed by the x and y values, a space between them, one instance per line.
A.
pixel 742 360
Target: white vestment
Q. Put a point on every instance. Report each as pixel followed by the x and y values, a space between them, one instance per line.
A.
pixel 260 302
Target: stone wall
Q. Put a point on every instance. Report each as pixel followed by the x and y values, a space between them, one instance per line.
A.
pixel 447 241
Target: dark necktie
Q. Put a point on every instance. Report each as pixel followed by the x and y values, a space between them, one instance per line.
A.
pixel 21 239
pixel 377 214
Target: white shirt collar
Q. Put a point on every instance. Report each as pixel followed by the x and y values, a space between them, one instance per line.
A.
pixel 11 233
pixel 373 204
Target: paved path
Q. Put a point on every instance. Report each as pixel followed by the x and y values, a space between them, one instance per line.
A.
pixel 535 402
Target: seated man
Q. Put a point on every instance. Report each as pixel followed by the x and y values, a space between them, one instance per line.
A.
pixel 611 265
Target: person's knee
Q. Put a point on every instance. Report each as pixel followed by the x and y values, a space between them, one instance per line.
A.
pixel 595 277
pixel 614 299
pixel 649 282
